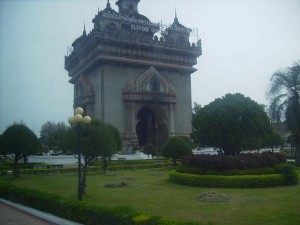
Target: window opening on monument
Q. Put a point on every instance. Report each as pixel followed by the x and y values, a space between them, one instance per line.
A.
pixel 111 27
pixel 154 83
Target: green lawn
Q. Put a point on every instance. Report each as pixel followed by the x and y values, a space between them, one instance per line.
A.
pixel 151 192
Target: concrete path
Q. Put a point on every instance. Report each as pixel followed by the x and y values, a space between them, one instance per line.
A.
pixel 15 214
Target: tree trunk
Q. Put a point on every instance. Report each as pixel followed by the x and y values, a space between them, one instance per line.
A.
pixel 83 179
pixel 297 147
pixel 298 155
pixel 16 167
pixel 174 163
pixel 104 165
pixel 25 158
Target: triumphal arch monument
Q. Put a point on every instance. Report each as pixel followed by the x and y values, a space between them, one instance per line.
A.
pixel 135 74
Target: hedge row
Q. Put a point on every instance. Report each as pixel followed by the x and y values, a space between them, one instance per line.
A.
pixel 138 166
pixel 245 181
pixel 47 171
pixel 79 211
pixel 130 162
pixel 237 162
pixel 113 167
pixel 287 176
pixel 10 165
pixel 199 171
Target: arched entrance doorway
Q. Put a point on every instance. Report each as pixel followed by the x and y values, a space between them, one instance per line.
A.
pixel 151 127
pixel 145 127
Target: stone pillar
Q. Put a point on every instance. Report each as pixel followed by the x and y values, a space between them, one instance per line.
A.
pixel 132 117
pixel 90 109
pixel 171 119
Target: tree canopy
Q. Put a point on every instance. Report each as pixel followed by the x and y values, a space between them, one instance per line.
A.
pixel 96 140
pixel 284 96
pixel 232 123
pixel 175 147
pixel 51 134
pixel 18 140
pixel 149 149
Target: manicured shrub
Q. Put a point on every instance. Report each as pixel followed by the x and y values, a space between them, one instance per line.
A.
pixel 113 165
pixel 289 173
pixel 138 166
pixel 175 148
pixel 243 181
pixel 238 162
pixel 199 171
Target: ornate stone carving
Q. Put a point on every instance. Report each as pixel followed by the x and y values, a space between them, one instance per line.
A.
pixel 84 91
pixel 150 86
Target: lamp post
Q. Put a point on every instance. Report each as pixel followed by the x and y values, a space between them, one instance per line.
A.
pixel 77 120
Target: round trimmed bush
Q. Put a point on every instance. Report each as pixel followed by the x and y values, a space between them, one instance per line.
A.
pixel 285 175
pixel 236 162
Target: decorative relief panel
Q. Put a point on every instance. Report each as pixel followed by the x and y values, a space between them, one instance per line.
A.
pixel 84 91
pixel 150 86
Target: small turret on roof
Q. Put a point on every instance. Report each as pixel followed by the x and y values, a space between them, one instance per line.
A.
pixel 128 6
pixel 178 33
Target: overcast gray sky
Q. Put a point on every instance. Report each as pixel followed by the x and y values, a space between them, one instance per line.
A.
pixel 243 41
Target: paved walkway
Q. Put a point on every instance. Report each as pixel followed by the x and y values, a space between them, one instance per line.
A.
pixel 15 214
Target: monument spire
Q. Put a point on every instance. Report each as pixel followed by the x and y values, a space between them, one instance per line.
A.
pixel 128 6
pixel 84 32
pixel 108 5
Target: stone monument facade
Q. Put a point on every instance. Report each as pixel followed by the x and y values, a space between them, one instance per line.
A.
pixel 135 74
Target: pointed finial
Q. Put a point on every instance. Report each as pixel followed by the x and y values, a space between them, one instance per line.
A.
pixel 84 32
pixel 176 18
pixel 108 4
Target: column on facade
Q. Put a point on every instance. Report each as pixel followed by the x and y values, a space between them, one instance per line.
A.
pixel 171 118
pixel 132 117
pixel 90 110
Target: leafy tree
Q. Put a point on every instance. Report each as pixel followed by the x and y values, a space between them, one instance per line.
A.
pixel 51 134
pixel 175 147
pixel 2 153
pixel 232 123
pixel 290 139
pixel 275 140
pixel 115 145
pixel 149 149
pixel 97 139
pixel 284 95
pixel 18 140
pixel 188 141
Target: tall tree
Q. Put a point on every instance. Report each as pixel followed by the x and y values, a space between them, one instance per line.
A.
pixel 284 96
pixel 114 146
pixel 97 139
pixel 51 134
pixel 232 123
pixel 18 140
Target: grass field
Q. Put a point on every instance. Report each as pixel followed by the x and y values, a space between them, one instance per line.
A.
pixel 150 192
